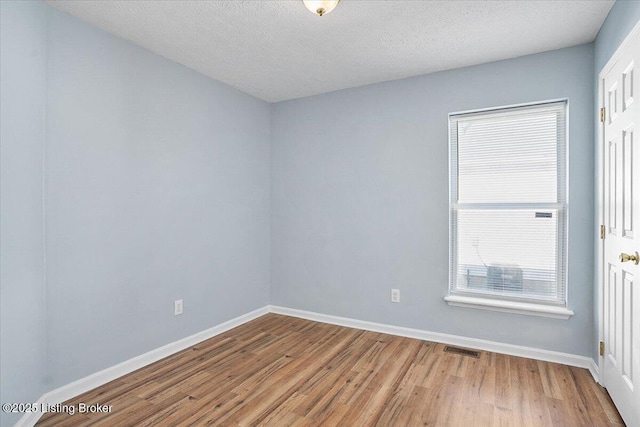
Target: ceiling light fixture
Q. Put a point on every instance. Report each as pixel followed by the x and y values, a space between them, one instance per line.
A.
pixel 320 7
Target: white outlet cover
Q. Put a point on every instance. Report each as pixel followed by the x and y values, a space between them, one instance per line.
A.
pixel 395 295
pixel 177 307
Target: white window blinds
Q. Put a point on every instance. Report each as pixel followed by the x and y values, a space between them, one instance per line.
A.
pixel 508 203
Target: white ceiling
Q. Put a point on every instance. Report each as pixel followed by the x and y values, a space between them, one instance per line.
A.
pixel 278 50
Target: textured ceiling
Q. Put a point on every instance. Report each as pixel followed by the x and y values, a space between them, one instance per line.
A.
pixel 278 50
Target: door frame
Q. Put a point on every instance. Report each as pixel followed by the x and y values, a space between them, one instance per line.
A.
pixel 600 184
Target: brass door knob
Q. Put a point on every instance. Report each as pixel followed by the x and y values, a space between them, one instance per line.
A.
pixel 626 257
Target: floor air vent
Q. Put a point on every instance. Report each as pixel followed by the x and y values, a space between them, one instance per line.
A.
pixel 462 351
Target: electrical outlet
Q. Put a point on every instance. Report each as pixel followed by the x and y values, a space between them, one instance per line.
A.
pixel 395 295
pixel 177 307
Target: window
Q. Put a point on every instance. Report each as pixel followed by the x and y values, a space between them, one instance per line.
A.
pixel 508 209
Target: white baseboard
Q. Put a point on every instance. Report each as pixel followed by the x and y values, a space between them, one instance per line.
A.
pixel 31 418
pixel 496 347
pixel 97 379
pixel 594 370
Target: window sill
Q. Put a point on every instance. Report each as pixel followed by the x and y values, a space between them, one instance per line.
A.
pixel 509 306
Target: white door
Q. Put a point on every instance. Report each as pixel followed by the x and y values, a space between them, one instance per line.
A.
pixel 621 200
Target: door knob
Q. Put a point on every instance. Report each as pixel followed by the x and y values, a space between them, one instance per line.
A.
pixel 626 257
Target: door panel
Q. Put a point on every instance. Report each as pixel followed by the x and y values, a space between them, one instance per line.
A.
pixel 627 329
pixel 627 183
pixel 612 186
pixel 611 299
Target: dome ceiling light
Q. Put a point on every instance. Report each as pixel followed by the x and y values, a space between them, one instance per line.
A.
pixel 320 7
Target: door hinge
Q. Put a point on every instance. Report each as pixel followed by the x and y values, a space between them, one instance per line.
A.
pixel 602 114
pixel 601 348
pixel 603 231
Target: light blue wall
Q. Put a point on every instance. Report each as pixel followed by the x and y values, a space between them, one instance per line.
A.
pixel 157 188
pixel 22 133
pixel 359 186
pixel 624 15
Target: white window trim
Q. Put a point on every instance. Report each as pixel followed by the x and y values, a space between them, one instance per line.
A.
pixel 505 306
pixel 484 302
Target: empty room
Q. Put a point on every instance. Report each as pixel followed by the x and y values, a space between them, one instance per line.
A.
pixel 329 213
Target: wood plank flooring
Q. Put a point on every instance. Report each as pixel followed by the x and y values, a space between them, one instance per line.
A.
pixel 284 371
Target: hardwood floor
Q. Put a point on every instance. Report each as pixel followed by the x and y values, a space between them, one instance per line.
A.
pixel 280 371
